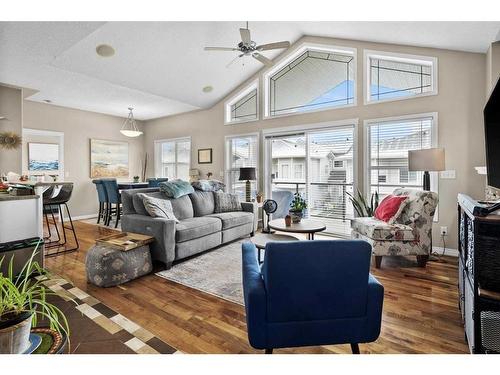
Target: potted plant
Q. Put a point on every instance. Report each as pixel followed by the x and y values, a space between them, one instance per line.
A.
pixel 136 179
pixel 23 301
pixel 362 207
pixel 297 208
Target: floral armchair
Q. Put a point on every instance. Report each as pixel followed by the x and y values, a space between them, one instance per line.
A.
pixel 411 234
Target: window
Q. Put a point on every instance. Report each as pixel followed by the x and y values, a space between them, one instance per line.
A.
pixel 299 171
pixel 173 158
pixel 241 151
pixel 393 76
pixel 313 78
pixel 338 163
pixel 244 106
pixel 285 171
pixel 388 143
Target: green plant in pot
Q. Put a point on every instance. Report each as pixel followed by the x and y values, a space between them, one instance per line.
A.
pixel 297 208
pixel 363 207
pixel 136 179
pixel 23 302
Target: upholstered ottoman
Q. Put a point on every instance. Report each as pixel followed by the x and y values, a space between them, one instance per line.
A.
pixel 107 266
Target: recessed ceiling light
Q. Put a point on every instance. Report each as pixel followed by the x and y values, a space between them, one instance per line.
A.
pixel 47 101
pixel 105 50
pixel 207 89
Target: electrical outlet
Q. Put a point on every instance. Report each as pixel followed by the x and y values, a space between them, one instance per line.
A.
pixel 444 231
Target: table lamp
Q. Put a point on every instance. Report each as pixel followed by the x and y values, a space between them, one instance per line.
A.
pixel 247 174
pixel 430 159
pixel 194 174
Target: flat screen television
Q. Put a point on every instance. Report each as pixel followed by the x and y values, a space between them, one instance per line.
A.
pixel 492 136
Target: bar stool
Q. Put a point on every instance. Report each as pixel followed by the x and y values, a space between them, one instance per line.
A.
pixel 48 210
pixel 155 181
pixel 103 200
pixel 114 197
pixel 59 198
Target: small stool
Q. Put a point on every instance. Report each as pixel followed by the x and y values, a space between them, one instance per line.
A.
pixel 107 266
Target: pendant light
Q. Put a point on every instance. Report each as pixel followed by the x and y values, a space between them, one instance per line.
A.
pixel 129 127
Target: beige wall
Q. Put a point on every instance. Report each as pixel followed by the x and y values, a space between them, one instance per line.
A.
pixel 79 127
pixel 492 66
pixel 460 127
pixel 11 103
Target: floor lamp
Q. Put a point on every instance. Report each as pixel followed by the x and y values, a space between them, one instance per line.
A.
pixel 247 174
pixel 430 159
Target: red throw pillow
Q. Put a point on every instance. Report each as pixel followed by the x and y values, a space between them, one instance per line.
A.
pixel 389 207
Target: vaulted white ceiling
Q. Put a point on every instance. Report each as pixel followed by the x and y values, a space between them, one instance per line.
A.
pixel 160 68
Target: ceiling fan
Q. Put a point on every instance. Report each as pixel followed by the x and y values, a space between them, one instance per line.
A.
pixel 248 47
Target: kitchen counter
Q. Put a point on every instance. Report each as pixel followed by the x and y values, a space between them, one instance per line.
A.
pixel 41 183
pixel 20 217
pixel 8 197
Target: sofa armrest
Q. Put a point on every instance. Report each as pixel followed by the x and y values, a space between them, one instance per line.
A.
pixel 253 208
pixel 254 292
pixel 162 229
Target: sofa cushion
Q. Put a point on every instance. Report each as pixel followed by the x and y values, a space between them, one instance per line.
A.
pixel 390 208
pixel 196 227
pixel 226 202
pixel 176 188
pixel 158 207
pixel 182 207
pixel 234 219
pixel 137 201
pixel 203 202
pixel 208 185
pixel 380 230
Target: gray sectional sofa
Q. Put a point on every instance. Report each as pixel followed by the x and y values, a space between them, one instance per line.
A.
pixel 199 228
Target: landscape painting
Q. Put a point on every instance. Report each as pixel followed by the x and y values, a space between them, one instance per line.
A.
pixel 108 159
pixel 43 156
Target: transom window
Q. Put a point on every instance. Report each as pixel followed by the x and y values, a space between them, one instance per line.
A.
pixel 393 77
pixel 244 106
pixel 173 158
pixel 311 79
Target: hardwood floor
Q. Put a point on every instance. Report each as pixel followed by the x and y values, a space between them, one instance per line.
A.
pixel 420 313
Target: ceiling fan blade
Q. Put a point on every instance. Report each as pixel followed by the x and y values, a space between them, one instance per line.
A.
pixel 276 45
pixel 220 49
pixel 263 59
pixel 245 36
pixel 233 60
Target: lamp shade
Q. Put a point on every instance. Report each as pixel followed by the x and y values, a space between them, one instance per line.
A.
pixel 247 174
pixel 194 172
pixel 431 159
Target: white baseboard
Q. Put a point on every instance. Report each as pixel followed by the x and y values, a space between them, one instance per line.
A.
pixel 81 217
pixel 448 251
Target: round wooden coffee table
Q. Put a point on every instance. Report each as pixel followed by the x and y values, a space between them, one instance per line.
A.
pixel 261 239
pixel 305 226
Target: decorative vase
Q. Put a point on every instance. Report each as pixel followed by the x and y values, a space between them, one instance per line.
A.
pixel 288 221
pixel 136 179
pixel 259 198
pixel 296 216
pixel 15 334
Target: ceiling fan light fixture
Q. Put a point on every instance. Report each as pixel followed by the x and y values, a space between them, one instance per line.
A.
pixel 129 127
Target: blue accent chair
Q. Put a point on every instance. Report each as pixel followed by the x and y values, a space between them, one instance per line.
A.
pixel 283 198
pixel 311 293
pixel 155 182
pixel 103 199
pixel 114 197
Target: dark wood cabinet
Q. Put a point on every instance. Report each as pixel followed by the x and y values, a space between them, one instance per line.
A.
pixel 479 279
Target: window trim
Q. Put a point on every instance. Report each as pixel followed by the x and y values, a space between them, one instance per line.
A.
pixel 299 50
pixel 366 148
pixel 400 57
pixel 254 85
pixel 226 158
pixel 157 153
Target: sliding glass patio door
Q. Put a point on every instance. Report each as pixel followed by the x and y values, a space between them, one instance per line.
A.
pixel 319 165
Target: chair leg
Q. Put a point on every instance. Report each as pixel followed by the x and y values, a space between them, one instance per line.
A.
pixel 378 261
pixel 422 260
pixel 268 351
pixel 355 348
pixel 107 218
pixel 117 214
pixel 100 212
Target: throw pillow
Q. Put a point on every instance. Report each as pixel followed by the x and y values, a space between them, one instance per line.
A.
pixel 176 188
pixel 157 207
pixel 390 208
pixel 208 185
pixel 226 202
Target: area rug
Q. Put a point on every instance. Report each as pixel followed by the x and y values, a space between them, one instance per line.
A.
pixel 96 328
pixel 216 272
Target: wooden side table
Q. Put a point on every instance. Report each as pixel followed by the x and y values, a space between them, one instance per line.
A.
pixel 261 239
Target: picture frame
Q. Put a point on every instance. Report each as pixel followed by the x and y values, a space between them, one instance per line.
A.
pixel 43 156
pixel 204 156
pixel 109 158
